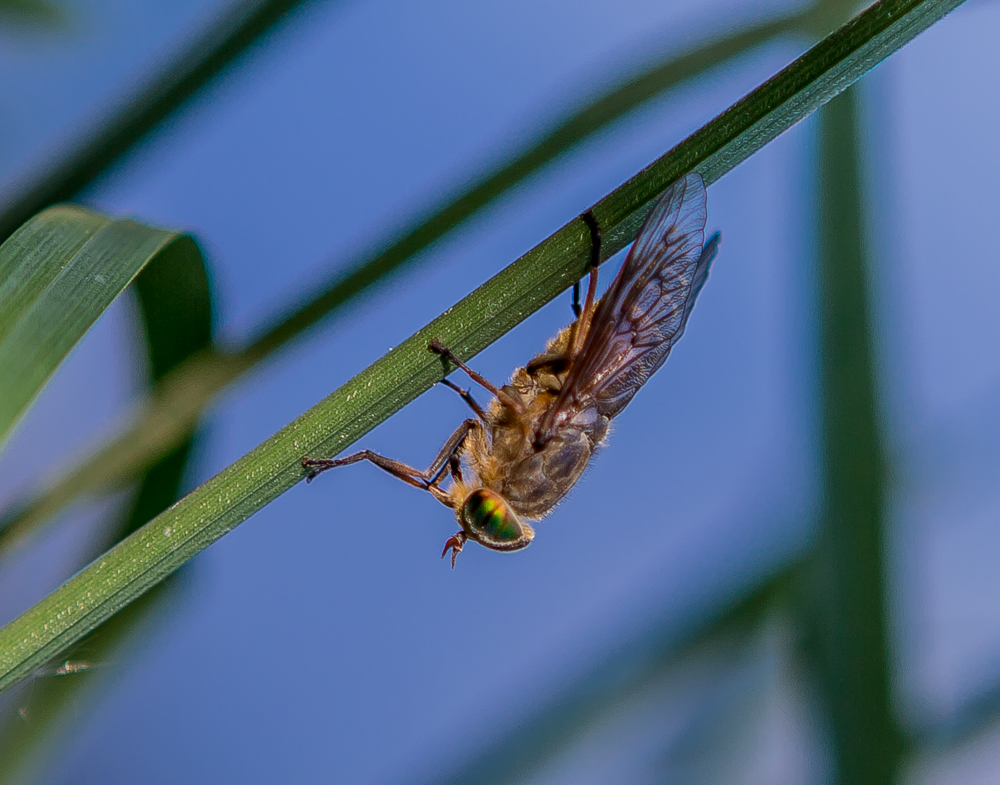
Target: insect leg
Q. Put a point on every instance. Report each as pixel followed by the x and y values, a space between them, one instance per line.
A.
pixel 595 238
pixel 448 457
pixel 397 469
pixel 455 465
pixel 426 480
pixel 467 397
pixel 586 314
pixel 439 348
pixel 554 363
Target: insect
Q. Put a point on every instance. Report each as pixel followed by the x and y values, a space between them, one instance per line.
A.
pixel 513 462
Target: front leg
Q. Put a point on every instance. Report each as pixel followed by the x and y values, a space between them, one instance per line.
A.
pixel 428 480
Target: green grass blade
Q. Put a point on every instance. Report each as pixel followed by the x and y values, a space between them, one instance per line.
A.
pixel 58 274
pixel 237 31
pixel 215 508
pixel 169 419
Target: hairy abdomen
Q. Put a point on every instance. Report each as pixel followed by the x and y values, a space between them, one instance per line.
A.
pixel 534 484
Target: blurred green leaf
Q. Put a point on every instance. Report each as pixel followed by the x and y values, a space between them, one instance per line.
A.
pixel 176 310
pixel 49 705
pixel 176 306
pixel 975 717
pixel 725 724
pixel 168 541
pixel 598 114
pixel 30 12
pixel 243 26
pixel 847 606
pixel 622 675
pixel 58 274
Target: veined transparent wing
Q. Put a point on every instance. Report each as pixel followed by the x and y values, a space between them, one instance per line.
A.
pixel 645 309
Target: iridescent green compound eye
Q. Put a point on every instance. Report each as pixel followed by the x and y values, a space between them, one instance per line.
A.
pixel 488 520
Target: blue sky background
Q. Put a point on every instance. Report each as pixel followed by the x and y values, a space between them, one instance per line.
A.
pixel 320 641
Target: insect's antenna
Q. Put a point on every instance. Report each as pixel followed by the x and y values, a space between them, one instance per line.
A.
pixel 585 316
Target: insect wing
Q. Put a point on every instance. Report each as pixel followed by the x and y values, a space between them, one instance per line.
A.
pixel 645 309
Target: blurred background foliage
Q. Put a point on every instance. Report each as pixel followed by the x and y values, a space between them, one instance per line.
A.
pixel 30 12
pixel 821 620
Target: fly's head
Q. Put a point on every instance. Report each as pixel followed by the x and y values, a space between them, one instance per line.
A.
pixel 486 518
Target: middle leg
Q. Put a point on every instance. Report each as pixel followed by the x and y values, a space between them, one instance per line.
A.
pixel 467 397
pixel 439 348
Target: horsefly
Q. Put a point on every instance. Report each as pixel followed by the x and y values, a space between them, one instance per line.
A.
pixel 513 462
